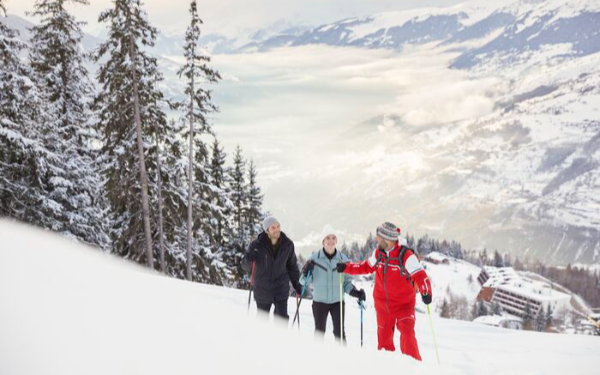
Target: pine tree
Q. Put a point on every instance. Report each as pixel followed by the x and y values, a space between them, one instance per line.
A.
pixel 496 308
pixel 548 317
pixel 170 196
pixel 223 240
pixel 474 311
pixel 198 106
pixel 220 178
pixel 527 317
pixel 129 117
pixel 498 261
pixel 253 212
pixel 344 250
pixel 22 156
pixel 540 320
pixel 482 309
pixel 238 195
pixel 445 309
pixel 72 178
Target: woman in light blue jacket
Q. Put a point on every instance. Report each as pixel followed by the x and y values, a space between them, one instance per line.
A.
pixel 326 284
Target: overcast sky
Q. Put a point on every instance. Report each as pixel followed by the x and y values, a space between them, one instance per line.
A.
pixel 231 16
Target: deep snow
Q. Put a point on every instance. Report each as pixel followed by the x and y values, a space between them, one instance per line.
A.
pixel 68 309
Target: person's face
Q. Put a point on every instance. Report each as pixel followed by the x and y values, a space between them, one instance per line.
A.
pixel 381 245
pixel 330 241
pixel 274 231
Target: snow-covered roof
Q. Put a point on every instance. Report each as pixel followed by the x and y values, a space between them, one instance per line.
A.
pixel 506 278
pixel 501 276
pixel 434 255
pixel 495 320
pixel 535 290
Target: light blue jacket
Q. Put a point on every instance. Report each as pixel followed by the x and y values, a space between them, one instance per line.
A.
pixel 325 278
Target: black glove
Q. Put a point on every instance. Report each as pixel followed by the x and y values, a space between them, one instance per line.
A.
pixel 426 298
pixel 340 267
pixel 252 255
pixel 360 294
pixel 298 288
pixel 309 266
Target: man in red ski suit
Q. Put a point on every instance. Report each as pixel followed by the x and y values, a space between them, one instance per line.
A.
pixel 394 293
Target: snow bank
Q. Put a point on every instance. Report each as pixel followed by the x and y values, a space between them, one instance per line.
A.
pixel 67 309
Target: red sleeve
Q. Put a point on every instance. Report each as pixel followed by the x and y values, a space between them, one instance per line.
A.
pixel 422 282
pixel 361 268
pixel 417 273
pixel 364 267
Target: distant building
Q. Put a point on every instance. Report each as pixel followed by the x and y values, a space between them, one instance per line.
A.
pixel 512 292
pixel 436 258
pixel 503 321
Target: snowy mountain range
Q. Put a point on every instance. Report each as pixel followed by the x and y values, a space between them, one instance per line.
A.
pixel 524 177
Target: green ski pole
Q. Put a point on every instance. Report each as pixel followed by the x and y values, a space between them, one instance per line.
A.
pixel 433 333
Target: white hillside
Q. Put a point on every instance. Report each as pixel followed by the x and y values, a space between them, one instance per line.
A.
pixel 453 277
pixel 67 309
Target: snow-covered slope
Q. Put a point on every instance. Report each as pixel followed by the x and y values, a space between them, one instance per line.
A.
pixel 67 309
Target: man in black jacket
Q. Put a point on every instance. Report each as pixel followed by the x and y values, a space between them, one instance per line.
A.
pixel 272 253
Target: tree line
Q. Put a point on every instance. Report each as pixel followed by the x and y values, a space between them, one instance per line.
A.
pixel 104 164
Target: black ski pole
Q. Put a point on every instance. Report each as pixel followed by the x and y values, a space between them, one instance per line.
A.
pixel 297 316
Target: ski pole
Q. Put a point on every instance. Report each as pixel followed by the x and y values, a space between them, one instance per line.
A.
pixel 433 333
pixel 362 307
pixel 251 284
pixel 297 308
pixel 341 309
pixel 297 316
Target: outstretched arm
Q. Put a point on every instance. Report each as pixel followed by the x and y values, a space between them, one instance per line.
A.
pixel 419 277
pixel 362 268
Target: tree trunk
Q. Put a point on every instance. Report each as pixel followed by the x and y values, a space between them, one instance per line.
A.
pixel 160 210
pixel 191 182
pixel 143 174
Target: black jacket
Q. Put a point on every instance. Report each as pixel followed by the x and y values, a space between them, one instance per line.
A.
pixel 272 274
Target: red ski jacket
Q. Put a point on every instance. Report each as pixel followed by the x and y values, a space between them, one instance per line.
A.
pixel 394 280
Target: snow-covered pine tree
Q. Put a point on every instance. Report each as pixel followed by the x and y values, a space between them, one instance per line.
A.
pixel 128 117
pixel 221 179
pixel 168 194
pixel 253 214
pixel 549 317
pixel 496 308
pixel 22 156
pixel 481 309
pixel 540 320
pixel 474 311
pixel 238 196
pixel 445 309
pixel 72 178
pixel 197 106
pixel 223 239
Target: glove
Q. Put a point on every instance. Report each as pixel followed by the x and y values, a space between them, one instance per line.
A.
pixel 340 267
pixel 252 255
pixel 426 298
pixel 360 294
pixel 309 266
pixel 425 290
pixel 298 289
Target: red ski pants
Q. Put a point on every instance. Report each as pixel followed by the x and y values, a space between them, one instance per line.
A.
pixel 403 318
